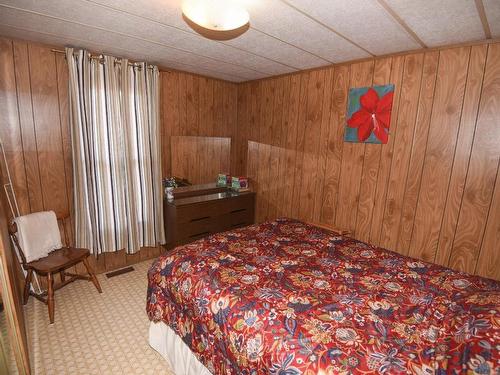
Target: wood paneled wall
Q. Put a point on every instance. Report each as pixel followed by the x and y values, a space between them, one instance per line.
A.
pixel 35 131
pixel 196 106
pixel 432 192
pixel 200 159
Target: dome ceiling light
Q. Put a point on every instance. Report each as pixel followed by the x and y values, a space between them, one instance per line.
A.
pixel 216 19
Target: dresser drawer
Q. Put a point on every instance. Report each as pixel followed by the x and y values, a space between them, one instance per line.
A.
pixel 234 220
pixel 244 202
pixel 240 218
pixel 195 229
pixel 192 218
pixel 196 212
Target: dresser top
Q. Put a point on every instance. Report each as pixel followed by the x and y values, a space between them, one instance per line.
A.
pixel 209 197
pixel 202 189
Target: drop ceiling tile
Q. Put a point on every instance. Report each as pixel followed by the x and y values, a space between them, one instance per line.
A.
pixel 75 31
pixel 364 22
pixel 263 50
pixel 492 8
pixel 165 11
pixel 149 56
pixel 276 52
pixel 287 24
pixel 108 19
pixel 263 44
pixel 440 22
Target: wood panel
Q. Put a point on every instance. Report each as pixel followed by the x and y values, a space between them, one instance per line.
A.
pixel 418 147
pixel 242 134
pixel 445 120
pixel 299 147
pixel 488 264
pixel 290 120
pixel 386 153
pixel 10 132
pixel 324 113
pixel 431 192
pixel 45 99
pixel 412 76
pixel 462 152
pixel 335 144
pixel 482 175
pixel 200 159
pixel 276 151
pixel 352 158
pixel 197 106
pixel 312 132
pixel 371 164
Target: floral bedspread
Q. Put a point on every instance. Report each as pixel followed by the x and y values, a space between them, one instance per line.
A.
pixel 287 298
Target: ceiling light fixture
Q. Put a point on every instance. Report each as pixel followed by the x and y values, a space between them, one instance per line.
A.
pixel 216 19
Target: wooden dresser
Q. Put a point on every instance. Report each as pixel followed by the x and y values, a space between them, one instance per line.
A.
pixel 198 211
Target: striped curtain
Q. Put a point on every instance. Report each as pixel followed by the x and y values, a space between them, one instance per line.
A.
pixel 116 153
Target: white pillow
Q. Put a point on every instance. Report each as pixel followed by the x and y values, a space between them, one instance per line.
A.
pixel 38 234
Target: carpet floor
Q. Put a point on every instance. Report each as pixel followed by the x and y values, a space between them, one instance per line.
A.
pixel 95 333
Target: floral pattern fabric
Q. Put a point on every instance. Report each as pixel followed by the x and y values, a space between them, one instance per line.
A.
pixel 287 298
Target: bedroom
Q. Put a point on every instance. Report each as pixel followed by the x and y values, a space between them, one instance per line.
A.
pixel 369 124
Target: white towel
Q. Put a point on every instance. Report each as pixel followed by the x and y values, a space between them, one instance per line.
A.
pixel 38 234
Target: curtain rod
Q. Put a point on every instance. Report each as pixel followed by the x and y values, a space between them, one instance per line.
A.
pixel 99 57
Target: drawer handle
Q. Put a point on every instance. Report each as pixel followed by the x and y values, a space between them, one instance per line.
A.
pixel 199 234
pixel 238 210
pixel 200 218
pixel 238 224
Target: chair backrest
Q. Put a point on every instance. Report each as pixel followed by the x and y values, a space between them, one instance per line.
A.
pixel 13 231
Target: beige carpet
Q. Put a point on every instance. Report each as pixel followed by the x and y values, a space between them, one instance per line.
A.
pixel 95 333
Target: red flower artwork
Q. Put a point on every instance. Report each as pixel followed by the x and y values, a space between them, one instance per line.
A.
pixel 374 116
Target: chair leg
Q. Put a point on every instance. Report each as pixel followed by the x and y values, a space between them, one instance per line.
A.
pixel 63 276
pixel 27 285
pixel 50 296
pixel 93 278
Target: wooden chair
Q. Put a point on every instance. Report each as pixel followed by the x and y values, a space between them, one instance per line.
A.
pixel 56 262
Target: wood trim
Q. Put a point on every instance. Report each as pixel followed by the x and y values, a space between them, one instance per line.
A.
pixel 484 19
pixel 403 24
pixel 120 271
pixel 11 293
pixel 331 228
pixel 168 70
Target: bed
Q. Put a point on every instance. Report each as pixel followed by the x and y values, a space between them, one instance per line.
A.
pixel 288 298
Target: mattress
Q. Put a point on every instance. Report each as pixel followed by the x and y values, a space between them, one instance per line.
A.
pixel 285 297
pixel 180 358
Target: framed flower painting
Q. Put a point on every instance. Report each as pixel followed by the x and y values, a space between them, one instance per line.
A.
pixel 369 114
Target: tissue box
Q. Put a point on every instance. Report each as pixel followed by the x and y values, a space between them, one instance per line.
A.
pixel 239 184
pixel 224 179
